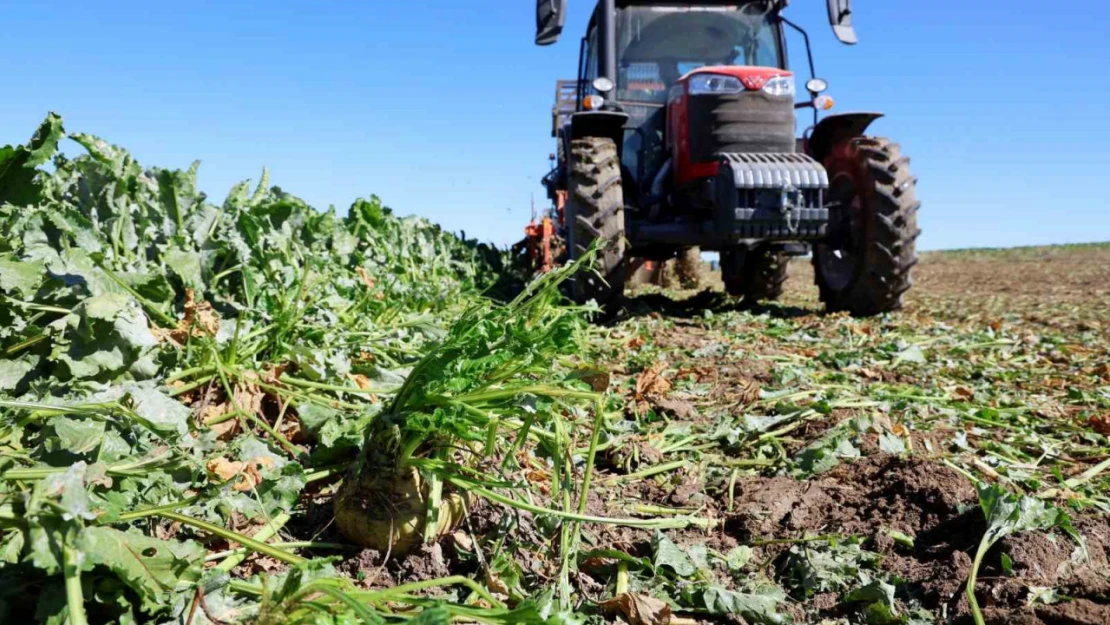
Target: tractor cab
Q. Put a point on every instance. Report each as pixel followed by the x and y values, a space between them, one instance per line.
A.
pixel 656 46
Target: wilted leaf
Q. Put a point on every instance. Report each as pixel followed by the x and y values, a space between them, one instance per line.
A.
pixel 638 609
pixel 652 382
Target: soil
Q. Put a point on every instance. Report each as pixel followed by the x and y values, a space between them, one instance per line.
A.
pixel 938 508
pixel 915 494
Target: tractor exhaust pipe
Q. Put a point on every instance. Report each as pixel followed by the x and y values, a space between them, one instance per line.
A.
pixel 607 39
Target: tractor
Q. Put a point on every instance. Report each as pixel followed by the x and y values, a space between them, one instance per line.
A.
pixel 680 132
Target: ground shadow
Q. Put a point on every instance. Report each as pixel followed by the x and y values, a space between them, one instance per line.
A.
pixel 662 303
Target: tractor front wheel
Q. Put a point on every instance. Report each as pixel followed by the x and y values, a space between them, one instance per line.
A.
pixel 864 265
pixel 595 214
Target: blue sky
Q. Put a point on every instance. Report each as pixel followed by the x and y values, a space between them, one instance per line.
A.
pixel 442 107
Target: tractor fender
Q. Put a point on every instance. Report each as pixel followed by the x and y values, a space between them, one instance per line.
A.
pixel 833 129
pixel 606 124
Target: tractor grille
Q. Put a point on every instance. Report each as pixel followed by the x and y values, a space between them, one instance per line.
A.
pixel 751 121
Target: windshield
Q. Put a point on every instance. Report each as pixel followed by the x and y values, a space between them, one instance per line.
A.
pixel 658 44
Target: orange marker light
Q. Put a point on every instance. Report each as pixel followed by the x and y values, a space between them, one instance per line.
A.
pixel 823 102
pixel 592 102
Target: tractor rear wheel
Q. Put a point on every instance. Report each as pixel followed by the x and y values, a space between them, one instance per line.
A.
pixel 759 276
pixel 595 214
pixel 687 268
pixel 864 266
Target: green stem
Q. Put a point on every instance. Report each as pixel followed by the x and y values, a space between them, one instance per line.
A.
pixel 795 541
pixel 522 434
pixel 324 473
pixel 320 401
pixel 49 410
pixel 976 612
pixel 509 393
pixel 648 523
pixel 747 462
pixel 188 373
pixel 433 583
pixel 262 535
pixel 185 388
pixel 155 511
pixel 587 475
pixel 648 472
pixel 1088 474
pixel 320 386
pixel 648 509
pixel 246 541
pixel 432 511
pixel 303 544
pixel 75 599
pixel 277 436
pixel 18 347
pixel 126 469
pixel 368 617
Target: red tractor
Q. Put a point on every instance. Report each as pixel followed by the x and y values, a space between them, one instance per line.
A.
pixel 680 132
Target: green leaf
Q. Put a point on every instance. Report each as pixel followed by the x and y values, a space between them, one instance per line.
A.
pixel 669 555
pixel 162 414
pixel 14 371
pixel 17 164
pixel 76 435
pixel 877 599
pixel 912 354
pixel 151 567
pixel 107 306
pixel 738 557
pixel 21 277
pixel 877 591
pixel 186 265
pixel 1007 514
pixel 819 568
pixel 758 607
pixel 891 444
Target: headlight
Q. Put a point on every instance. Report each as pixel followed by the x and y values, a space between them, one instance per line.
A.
pixel 603 84
pixel 816 85
pixel 714 84
pixel 782 86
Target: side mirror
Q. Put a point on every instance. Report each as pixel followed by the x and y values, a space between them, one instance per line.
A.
pixel 840 16
pixel 550 17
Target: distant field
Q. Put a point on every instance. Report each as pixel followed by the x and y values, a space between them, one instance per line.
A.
pixel 1046 284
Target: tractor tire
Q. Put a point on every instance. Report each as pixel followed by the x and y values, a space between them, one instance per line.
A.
pixel 595 214
pixel 760 277
pixel 687 268
pixel 864 268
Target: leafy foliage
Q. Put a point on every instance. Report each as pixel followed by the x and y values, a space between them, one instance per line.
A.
pixel 159 352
